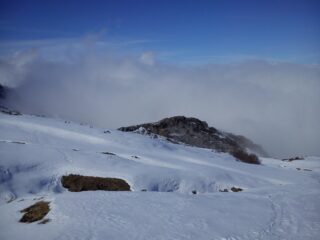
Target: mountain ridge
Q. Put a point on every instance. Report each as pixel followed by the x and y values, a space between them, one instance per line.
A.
pixel 194 132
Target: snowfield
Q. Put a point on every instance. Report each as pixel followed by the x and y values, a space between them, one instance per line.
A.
pixel 280 200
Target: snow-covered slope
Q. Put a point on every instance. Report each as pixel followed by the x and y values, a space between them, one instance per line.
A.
pixel 280 200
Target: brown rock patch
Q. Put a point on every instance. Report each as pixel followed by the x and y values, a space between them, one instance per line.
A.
pixel 245 157
pixel 35 212
pixel 78 183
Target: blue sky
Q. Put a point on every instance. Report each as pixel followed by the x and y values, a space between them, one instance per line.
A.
pixel 178 31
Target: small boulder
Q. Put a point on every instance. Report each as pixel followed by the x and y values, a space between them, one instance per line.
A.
pixel 235 189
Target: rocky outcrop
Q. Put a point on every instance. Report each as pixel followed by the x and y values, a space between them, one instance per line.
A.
pixel 195 132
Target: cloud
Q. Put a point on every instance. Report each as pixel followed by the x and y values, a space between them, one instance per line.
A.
pixel 14 68
pixel 147 58
pixel 275 104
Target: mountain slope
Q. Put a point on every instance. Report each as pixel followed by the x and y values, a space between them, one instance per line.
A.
pixel 175 188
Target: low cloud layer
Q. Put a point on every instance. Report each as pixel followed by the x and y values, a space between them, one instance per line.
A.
pixel 274 104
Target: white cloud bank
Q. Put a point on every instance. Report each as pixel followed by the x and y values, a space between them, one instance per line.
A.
pixel 275 104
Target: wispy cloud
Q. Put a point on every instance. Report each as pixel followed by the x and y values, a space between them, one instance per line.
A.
pixel 48 45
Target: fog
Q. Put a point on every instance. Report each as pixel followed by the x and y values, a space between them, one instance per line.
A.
pixel 276 104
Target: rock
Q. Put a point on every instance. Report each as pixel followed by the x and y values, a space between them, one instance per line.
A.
pixel 35 212
pixel 248 144
pixel 224 190
pixel 9 111
pixel 235 189
pixel 194 132
pixel 292 159
pixel 243 156
pixel 109 153
pixel 78 183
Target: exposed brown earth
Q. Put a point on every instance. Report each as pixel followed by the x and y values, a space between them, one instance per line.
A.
pixel 245 157
pixel 35 212
pixel 78 183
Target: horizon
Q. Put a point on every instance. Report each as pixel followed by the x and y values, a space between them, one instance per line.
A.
pixel 246 67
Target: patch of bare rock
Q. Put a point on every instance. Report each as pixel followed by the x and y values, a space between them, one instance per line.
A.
pixel 78 183
pixel 35 212
pixel 194 132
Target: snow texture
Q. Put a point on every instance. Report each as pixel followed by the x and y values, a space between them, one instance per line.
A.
pixel 280 200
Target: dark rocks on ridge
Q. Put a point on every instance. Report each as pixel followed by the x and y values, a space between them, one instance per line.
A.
pixel 194 132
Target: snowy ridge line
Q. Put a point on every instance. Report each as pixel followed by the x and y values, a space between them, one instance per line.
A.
pixel 56 131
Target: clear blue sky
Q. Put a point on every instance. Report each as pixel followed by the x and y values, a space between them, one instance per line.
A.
pixel 183 31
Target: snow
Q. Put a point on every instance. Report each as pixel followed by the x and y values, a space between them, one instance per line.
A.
pixel 280 200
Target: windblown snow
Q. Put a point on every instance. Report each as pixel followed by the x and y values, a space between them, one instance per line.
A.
pixel 176 189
